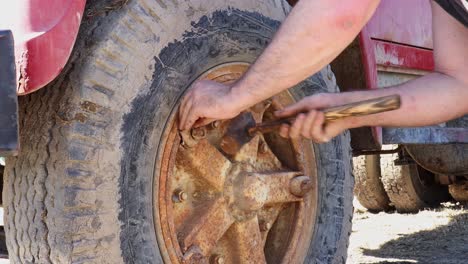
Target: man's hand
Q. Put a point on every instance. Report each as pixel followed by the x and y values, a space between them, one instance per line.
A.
pixel 205 102
pixel 310 122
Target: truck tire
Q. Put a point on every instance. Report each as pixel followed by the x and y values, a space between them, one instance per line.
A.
pixel 410 187
pixel 91 183
pixel 459 192
pixel 368 188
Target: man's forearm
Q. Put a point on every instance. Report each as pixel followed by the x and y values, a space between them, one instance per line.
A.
pixel 424 101
pixel 313 34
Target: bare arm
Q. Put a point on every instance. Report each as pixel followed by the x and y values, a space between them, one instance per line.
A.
pixel 314 33
pixel 432 99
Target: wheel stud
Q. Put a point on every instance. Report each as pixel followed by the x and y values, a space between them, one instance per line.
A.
pixel 198 133
pixel 179 196
pixel 217 259
pixel 300 185
pixel 215 124
pixel 265 226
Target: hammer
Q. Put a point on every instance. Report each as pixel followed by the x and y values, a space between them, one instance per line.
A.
pixel 243 128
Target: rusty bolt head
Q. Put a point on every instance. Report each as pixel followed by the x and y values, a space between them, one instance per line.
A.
pixel 300 185
pixel 262 148
pixel 217 259
pixel 198 133
pixel 179 196
pixel 264 226
pixel 193 255
pixel 216 124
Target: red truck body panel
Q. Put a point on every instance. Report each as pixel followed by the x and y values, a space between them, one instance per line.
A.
pixel 397 38
pixel 44 33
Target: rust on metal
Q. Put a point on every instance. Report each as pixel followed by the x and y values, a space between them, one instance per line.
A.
pixel 237 133
pixel 214 205
pixel 300 185
pixel 198 133
pixel 217 259
pixel 179 196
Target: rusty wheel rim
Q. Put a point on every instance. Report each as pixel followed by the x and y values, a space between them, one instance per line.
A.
pixel 211 207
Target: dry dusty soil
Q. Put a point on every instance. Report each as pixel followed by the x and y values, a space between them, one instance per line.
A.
pixel 438 236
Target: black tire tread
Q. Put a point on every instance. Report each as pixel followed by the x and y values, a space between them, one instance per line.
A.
pixel 459 192
pixel 407 195
pixel 369 189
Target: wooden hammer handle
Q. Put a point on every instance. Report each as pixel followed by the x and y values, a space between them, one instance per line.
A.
pixel 367 107
pixel 361 108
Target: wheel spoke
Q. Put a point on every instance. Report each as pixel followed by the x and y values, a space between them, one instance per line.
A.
pixel 248 152
pixel 268 217
pixel 266 159
pixel 248 242
pixel 208 227
pixel 279 186
pixel 206 162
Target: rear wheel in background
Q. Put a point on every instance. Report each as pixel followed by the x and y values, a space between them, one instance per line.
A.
pixel 102 176
pixel 410 187
pixel 368 187
pixel 459 192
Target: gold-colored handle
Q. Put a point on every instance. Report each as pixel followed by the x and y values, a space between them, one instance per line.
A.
pixel 361 108
pixel 367 107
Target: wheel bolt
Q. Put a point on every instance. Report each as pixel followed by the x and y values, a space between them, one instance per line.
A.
pixel 216 124
pixel 300 185
pixel 263 148
pixel 198 133
pixel 179 196
pixel 217 259
pixel 265 226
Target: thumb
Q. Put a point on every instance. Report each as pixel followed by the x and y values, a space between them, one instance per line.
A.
pixel 334 128
pixel 293 109
pixel 203 122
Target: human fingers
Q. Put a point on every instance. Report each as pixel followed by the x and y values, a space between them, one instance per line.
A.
pixel 317 132
pixel 295 130
pixel 308 121
pixel 284 130
pixel 187 112
pixel 203 122
pixel 183 107
pixel 334 128
pixel 292 109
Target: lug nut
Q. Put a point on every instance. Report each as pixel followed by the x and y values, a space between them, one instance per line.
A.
pixel 217 259
pixel 215 124
pixel 198 133
pixel 265 226
pixel 300 185
pixel 179 196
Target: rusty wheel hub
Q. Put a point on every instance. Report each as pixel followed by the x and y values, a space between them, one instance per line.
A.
pixel 254 206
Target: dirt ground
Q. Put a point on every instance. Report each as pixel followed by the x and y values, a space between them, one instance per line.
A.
pixel 430 236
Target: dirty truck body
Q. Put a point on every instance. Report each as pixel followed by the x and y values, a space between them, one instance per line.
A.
pixel 98 172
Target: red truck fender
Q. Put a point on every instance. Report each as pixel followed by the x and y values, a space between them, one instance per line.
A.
pixel 44 32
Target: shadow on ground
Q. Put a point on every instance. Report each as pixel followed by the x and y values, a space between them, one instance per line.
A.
pixel 447 244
